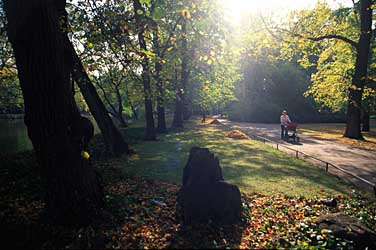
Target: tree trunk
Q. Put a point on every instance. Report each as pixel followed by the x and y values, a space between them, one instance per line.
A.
pixel 121 120
pixel 130 102
pixel 161 126
pixel 120 116
pixel 54 125
pixel 178 113
pixel 365 121
pixel 358 81
pixel 134 111
pixel 150 128
pixel 184 70
pixel 112 137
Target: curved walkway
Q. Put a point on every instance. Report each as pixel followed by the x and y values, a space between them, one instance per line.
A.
pixel 361 162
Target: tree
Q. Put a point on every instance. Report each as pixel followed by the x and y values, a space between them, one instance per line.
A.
pixel 165 22
pixel 113 139
pixel 57 131
pixel 184 65
pixel 150 128
pixel 360 74
pixel 312 29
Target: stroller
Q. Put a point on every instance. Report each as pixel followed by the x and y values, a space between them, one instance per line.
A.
pixel 292 133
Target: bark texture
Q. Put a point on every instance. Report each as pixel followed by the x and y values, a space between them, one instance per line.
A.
pixel 57 131
pixel 355 94
pixel 161 125
pixel 184 71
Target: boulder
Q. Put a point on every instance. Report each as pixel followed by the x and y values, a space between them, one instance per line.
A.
pixel 205 195
pixel 349 228
pixel 202 167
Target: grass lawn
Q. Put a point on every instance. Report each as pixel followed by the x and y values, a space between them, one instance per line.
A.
pixel 336 131
pixel 274 215
pixel 251 165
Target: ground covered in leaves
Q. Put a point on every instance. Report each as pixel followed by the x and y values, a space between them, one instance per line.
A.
pixel 141 213
pixel 237 134
pixel 335 132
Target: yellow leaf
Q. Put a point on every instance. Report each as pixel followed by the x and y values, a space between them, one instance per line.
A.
pixel 185 13
pixel 85 155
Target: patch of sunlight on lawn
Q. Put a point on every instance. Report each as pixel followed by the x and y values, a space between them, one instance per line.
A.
pixel 251 165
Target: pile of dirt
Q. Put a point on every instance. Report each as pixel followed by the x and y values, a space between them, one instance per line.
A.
pixel 237 134
pixel 216 122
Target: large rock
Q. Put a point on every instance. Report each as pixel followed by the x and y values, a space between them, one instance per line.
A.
pixel 346 227
pixel 205 195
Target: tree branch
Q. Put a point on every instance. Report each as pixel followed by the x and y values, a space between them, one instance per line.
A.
pixel 316 39
pixel 338 37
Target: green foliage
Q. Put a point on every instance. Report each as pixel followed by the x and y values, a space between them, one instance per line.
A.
pixel 270 82
pixel 333 60
pixel 10 93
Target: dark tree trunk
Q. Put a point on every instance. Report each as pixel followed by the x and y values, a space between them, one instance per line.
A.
pixel 161 126
pixel 184 70
pixel 120 116
pixel 113 139
pixel 178 113
pixel 122 121
pixel 150 128
pixel 135 115
pixel 358 81
pixel 365 121
pixel 54 125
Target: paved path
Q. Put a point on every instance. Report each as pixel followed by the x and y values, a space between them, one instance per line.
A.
pixel 361 162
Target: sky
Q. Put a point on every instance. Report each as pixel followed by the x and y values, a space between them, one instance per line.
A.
pixel 235 8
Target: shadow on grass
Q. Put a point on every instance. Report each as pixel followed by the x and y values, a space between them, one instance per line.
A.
pixel 247 163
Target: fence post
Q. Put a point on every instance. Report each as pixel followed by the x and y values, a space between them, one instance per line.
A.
pixel 297 154
pixel 264 141
pixel 327 167
pixel 277 147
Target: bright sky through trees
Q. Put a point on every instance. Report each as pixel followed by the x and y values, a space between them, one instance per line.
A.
pixel 236 8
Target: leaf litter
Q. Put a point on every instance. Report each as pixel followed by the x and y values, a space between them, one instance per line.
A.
pixel 141 213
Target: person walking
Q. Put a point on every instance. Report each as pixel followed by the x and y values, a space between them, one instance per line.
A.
pixel 285 119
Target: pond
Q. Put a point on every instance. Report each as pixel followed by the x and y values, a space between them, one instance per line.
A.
pixel 13 136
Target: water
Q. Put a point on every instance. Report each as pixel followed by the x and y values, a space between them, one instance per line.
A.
pixel 13 136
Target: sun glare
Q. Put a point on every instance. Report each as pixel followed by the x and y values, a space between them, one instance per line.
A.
pixel 235 9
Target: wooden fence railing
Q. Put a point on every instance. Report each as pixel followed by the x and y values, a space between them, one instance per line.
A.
pixel 327 164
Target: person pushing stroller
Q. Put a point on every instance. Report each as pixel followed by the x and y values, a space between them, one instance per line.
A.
pixel 285 120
